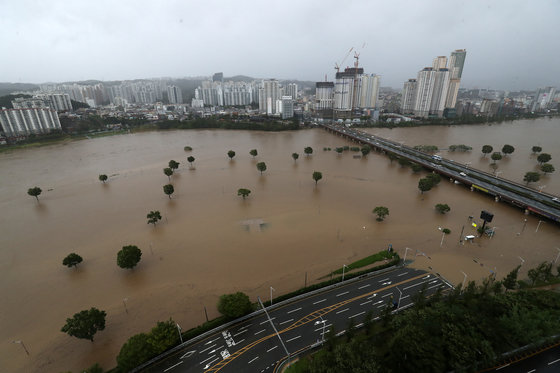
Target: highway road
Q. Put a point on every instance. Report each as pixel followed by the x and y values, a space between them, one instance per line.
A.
pixel 253 345
pixel 516 194
pixel 547 361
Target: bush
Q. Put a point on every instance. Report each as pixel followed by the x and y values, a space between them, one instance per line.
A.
pixel 234 305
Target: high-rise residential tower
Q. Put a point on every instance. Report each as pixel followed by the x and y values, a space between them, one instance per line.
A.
pixel 174 95
pixel 408 97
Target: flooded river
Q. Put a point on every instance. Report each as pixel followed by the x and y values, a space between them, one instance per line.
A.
pixel 211 242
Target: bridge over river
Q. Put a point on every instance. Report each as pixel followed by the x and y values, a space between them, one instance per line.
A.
pixel 530 200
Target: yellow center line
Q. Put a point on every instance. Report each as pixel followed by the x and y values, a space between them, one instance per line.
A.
pixel 311 317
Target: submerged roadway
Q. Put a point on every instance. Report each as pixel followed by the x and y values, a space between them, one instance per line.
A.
pixel 254 346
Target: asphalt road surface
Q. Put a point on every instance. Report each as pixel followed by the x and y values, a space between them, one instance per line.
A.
pixel 253 345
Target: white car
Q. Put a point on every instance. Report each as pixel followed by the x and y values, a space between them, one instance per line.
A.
pixel 555 199
pixel 463 174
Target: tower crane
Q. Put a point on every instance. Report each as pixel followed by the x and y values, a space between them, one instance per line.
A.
pixel 337 65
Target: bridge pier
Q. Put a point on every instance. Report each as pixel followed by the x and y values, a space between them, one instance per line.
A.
pixel 497 199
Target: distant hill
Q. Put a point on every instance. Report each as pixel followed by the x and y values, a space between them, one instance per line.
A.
pixel 7 88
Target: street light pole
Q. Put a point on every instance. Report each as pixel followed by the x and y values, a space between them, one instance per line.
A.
pixel 524 224
pixel 179 330
pixel 555 260
pixel 343 268
pixel 324 325
pixel 538 225
pixel 464 280
pixel 405 251
pixel 274 327
pixel 522 260
pixel 493 229
pixel 124 302
pixel 271 290
pixel 22 345
pixel 400 296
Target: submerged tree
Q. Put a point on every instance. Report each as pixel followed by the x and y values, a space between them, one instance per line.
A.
pixel 496 156
pixel 35 192
pixel 381 212
pixel 544 158
pixel 173 165
pixel 72 260
pixel 308 150
pixel 317 176
pixel 169 190
pixel 168 172
pixel 85 323
pixel 424 185
pixel 190 159
pixel 261 166
pixel 487 149
pixel 536 149
pixel 443 208
pixel 508 149
pixel 129 256
pixel 295 156
pixel 253 152
pixel 547 168
pixel 103 178
pixel 231 154
pixel 153 217
pixel 531 177
pixel 243 192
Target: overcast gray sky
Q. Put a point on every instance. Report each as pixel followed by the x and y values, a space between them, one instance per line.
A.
pixel 510 44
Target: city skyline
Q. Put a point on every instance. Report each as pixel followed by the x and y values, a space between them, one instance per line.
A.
pixel 508 41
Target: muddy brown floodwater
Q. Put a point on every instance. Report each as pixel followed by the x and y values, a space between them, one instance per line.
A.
pixel 212 242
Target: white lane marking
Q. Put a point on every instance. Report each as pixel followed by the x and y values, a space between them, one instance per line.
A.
pixel 260 331
pixel 283 322
pixel 238 342
pixel 173 366
pixel 211 362
pixel 402 274
pixel 322 300
pixel 206 359
pixel 532 370
pixel 346 292
pixel 381 306
pixel 503 366
pixel 265 321
pixel 241 332
pixel 188 354
pixel 297 309
pixel 372 296
pixel 406 296
pixel 411 286
pixel 361 304
pixel 292 339
pixel 271 349
pixel 434 286
pixel 434 281
pixel 212 341
pixel 359 325
pixel 555 361
pixel 385 279
pixel 358 314
pixel 365 286
pixel 386 295
pixel 425 277
pixel 250 361
pixel 344 310
pixel 377 303
pixel 208 348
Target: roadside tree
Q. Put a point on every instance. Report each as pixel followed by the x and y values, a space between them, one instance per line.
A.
pixel 34 192
pixel 434 178
pixel 163 336
pixel 424 185
pixel 511 279
pixel 85 324
pixel 531 177
pixel 169 190
pixel 381 212
pixel 415 167
pixel 129 256
pixel 134 352
pixel 72 260
pixel 234 305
